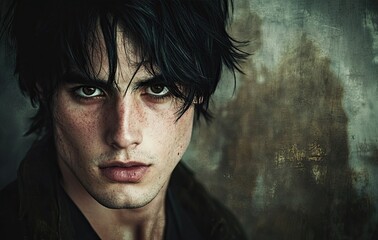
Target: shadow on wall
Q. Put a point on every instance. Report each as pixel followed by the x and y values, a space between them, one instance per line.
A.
pixel 15 110
pixel 284 153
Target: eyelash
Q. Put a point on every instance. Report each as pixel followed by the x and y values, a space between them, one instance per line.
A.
pixel 81 96
pixel 157 97
pixel 75 90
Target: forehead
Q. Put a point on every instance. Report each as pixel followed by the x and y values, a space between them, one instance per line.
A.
pixel 121 52
pixel 121 57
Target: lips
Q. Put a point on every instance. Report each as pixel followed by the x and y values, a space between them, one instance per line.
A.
pixel 130 172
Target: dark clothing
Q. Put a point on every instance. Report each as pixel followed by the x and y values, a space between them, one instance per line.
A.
pixel 179 224
pixel 36 206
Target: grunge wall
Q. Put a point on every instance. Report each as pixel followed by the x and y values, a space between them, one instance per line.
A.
pixel 293 150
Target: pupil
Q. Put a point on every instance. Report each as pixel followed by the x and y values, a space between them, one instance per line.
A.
pixel 88 90
pixel 157 89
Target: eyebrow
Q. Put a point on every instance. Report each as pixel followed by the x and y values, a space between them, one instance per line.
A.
pixel 156 79
pixel 74 77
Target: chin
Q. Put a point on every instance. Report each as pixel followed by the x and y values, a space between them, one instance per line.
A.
pixel 114 204
pixel 115 199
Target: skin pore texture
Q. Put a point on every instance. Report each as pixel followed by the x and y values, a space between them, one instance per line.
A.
pixel 118 145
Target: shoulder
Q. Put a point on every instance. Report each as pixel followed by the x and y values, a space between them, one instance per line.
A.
pixel 9 200
pixel 211 217
pixel 11 227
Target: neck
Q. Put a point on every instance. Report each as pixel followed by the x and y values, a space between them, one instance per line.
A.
pixel 147 222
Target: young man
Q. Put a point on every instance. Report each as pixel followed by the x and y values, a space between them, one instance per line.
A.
pixel 118 85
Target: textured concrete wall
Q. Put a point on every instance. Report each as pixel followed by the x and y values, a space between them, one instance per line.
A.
pixel 293 151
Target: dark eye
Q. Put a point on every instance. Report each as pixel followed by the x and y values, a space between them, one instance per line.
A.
pixel 88 92
pixel 157 90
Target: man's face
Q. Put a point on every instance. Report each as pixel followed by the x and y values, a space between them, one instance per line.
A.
pixel 121 143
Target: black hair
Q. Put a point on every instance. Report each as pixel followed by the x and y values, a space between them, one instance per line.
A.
pixel 185 39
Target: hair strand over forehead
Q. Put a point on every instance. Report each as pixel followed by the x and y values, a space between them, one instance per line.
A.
pixel 186 40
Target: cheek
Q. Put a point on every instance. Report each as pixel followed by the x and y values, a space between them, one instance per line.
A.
pixel 184 133
pixel 74 129
pixel 174 137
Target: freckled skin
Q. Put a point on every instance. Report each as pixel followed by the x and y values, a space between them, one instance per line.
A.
pixel 119 127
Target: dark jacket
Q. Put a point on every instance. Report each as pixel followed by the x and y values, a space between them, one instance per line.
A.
pixel 36 207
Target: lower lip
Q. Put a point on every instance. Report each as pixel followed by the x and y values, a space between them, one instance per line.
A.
pixel 125 174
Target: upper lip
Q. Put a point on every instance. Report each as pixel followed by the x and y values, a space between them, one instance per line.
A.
pixel 123 164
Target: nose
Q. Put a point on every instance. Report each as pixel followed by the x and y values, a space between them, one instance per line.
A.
pixel 124 124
